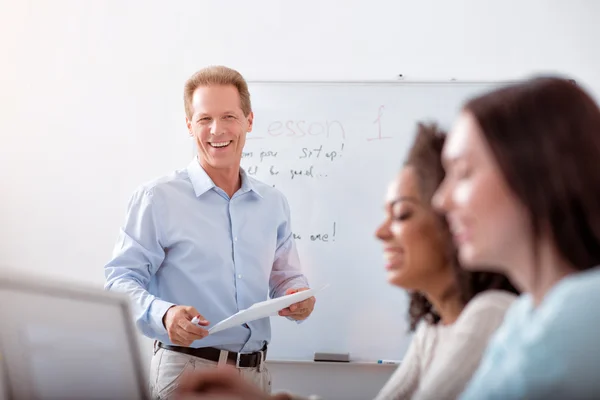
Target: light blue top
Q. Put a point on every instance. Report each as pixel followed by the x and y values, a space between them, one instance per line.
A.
pixel 185 242
pixel 549 352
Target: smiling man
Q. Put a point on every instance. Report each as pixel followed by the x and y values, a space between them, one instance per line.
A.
pixel 207 241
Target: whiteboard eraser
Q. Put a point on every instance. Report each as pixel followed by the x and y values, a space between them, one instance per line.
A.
pixel 332 357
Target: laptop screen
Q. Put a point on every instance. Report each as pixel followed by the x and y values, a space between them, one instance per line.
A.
pixel 65 343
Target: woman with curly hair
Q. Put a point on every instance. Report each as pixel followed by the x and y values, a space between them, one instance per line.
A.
pixel 453 311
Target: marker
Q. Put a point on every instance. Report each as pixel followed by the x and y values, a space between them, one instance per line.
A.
pixel 197 320
pixel 387 362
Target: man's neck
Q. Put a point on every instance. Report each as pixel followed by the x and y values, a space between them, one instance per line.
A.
pixel 228 179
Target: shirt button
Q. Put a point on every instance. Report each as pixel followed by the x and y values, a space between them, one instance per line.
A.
pixel 239 276
pixel 235 239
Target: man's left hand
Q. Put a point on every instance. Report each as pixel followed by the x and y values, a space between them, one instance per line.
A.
pixel 301 310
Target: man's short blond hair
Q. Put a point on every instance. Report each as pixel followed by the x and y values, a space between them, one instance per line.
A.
pixel 216 75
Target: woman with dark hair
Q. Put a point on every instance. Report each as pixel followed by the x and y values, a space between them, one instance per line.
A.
pixel 521 196
pixel 453 311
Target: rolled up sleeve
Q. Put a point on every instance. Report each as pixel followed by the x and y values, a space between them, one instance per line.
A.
pixel 287 272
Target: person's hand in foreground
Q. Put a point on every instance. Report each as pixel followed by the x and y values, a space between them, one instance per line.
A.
pixel 223 383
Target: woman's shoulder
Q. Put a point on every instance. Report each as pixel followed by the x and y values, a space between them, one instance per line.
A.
pixel 425 329
pixel 491 299
pixel 581 285
pixel 571 304
pixel 425 336
pixel 488 306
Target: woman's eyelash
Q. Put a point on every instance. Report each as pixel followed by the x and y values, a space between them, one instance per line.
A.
pixel 462 172
pixel 404 216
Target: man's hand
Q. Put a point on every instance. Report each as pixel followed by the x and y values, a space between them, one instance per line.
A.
pixel 301 310
pixel 178 321
pixel 221 383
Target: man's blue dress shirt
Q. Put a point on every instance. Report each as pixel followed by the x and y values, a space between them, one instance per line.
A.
pixel 185 242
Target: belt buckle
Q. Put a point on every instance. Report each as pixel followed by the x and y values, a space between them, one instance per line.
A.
pixel 261 355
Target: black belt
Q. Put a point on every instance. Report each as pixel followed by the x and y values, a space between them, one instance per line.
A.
pixel 242 360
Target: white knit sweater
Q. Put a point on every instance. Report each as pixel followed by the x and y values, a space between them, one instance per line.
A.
pixel 442 358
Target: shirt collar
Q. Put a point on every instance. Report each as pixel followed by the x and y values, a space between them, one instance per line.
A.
pixel 202 183
pixel 248 183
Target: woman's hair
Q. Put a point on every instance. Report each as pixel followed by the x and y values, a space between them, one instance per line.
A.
pixel 545 136
pixel 425 158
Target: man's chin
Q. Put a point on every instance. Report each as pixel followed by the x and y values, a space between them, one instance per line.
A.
pixel 222 162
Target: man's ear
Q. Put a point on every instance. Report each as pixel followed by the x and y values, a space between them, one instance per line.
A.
pixel 188 123
pixel 250 118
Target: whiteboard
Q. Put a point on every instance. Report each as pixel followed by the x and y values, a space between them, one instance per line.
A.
pixel 332 148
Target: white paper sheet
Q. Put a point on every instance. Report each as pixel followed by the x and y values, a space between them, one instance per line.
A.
pixel 263 309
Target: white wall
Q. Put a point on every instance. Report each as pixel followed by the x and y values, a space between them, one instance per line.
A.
pixel 80 81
